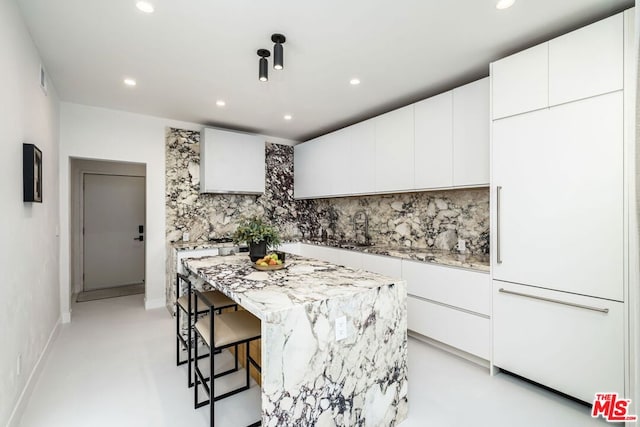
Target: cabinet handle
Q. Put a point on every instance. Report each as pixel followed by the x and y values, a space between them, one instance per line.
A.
pixel 557 301
pixel 498 255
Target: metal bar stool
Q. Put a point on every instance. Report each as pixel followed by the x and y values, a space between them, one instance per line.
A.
pixel 219 332
pixel 188 303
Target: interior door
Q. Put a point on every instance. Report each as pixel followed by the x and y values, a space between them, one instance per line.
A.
pixel 114 211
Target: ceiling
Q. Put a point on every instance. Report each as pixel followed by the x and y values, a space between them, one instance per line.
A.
pixel 188 54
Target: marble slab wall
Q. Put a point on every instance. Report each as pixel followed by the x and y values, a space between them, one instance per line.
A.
pixel 209 216
pixel 434 220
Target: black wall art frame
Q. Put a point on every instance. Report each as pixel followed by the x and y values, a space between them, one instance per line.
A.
pixel 32 173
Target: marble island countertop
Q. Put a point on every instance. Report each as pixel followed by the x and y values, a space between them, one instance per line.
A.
pixel 302 281
pixel 334 339
pixel 470 261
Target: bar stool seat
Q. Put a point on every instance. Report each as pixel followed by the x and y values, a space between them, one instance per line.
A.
pixel 231 328
pixel 217 298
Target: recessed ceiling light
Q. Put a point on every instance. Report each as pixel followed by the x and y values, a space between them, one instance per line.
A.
pixel 504 4
pixel 130 82
pixel 220 103
pixel 288 117
pixel 145 6
pixel 354 81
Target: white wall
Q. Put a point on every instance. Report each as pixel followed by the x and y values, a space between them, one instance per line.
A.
pixel 78 168
pixel 98 133
pixel 29 287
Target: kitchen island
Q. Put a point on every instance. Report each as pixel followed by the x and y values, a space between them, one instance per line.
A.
pixel 334 339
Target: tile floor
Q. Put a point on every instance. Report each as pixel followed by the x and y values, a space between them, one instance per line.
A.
pixel 114 366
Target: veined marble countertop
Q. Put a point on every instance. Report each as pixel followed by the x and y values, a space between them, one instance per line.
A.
pixel 474 262
pixel 187 246
pixel 302 281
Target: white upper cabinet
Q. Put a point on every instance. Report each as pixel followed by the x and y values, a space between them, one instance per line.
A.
pixel 433 160
pixel 394 150
pixel 333 160
pixel 306 172
pixel 587 62
pixel 471 134
pixel 362 157
pixel 231 162
pixel 521 82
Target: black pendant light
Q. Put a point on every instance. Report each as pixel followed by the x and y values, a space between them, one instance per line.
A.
pixel 278 55
pixel 263 67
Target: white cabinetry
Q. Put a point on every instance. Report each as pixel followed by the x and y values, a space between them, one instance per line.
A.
pixel 384 265
pixel 450 305
pixel 394 150
pixel 573 349
pixel 466 289
pixel 361 162
pixel 558 217
pixel 456 328
pixel 308 176
pixel 471 132
pixel 521 82
pixel 552 166
pixel 441 142
pixel 231 162
pixel 587 62
pixel 434 142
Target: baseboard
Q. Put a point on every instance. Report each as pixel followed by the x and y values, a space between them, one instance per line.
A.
pixel 66 317
pixel 442 346
pixel 150 304
pixel 21 404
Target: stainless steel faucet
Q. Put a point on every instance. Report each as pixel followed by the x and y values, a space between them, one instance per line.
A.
pixel 367 238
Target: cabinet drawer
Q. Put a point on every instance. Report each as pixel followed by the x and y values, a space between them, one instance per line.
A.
pixel 575 350
pixel 453 327
pixel 466 289
pixel 384 265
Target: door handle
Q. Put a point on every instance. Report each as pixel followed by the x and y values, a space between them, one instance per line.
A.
pixel 498 254
pixel 139 238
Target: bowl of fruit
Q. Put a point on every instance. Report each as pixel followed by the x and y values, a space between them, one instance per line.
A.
pixel 269 262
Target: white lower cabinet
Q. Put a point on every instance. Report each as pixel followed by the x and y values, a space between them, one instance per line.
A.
pixel 384 265
pixel 450 305
pixel 466 289
pixel 459 329
pixel 571 343
pixel 292 248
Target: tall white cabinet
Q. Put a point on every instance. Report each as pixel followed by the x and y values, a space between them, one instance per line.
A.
pixel 558 211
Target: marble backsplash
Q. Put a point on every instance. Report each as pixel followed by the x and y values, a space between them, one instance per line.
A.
pixel 433 220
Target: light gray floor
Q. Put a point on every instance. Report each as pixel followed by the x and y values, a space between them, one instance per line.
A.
pixel 114 366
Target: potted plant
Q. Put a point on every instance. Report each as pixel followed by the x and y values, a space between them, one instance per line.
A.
pixel 258 234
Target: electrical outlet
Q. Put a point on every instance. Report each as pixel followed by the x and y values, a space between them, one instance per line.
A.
pixel 341 328
pixel 19 365
pixel 462 246
pixel 185 237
